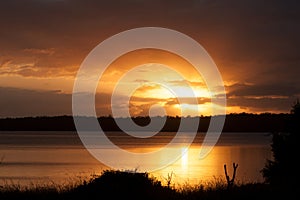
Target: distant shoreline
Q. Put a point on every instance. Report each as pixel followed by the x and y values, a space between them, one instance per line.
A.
pixel 242 122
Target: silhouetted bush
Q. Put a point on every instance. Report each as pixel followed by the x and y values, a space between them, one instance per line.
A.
pixel 283 170
pixel 123 185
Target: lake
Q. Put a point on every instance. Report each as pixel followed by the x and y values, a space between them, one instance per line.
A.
pixel 35 157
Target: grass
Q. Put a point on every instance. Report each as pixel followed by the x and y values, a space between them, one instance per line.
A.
pixel 114 184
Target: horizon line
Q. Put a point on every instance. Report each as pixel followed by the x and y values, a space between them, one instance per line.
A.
pixel 170 116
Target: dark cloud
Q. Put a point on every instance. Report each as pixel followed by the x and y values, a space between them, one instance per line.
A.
pixel 280 89
pixel 264 97
pixel 16 102
pixel 187 100
pixel 148 99
pixel 148 87
pixel 263 104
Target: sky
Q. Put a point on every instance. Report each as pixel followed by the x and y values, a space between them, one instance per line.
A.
pixel 254 43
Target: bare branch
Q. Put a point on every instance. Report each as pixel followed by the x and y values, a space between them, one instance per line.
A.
pixel 230 182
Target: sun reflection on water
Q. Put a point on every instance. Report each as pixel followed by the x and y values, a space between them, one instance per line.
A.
pixel 184 159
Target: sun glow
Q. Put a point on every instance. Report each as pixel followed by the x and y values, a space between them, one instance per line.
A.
pixel 156 77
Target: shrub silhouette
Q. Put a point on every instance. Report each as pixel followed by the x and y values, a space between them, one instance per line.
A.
pixel 283 170
pixel 123 185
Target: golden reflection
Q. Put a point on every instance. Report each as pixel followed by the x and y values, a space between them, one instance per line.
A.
pixel 190 169
pixel 184 159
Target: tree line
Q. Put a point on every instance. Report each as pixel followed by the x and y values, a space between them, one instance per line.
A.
pixel 240 122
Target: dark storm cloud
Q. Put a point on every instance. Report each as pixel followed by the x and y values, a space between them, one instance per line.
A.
pixel 263 104
pixel 16 102
pixel 264 97
pixel 287 90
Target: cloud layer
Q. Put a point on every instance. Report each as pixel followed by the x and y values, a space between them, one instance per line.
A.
pixel 254 43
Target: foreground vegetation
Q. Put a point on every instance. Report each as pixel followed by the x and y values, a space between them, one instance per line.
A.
pixel 133 185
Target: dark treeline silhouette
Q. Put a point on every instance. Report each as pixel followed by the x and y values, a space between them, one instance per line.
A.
pixel 284 170
pixel 242 122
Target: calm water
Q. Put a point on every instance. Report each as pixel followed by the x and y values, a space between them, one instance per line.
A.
pixel 60 158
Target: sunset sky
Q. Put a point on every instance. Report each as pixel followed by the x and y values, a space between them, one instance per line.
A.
pixel 254 43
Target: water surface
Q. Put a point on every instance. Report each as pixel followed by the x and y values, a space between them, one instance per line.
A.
pixel 59 157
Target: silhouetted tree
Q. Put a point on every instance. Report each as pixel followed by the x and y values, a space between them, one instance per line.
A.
pixel 283 170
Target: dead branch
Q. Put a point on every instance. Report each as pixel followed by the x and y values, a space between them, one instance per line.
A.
pixel 230 182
